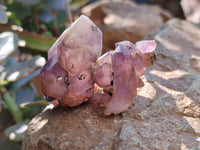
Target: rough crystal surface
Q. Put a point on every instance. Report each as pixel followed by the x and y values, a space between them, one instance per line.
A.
pixel 75 64
pixel 119 71
pixel 53 79
pixel 79 45
pixel 68 75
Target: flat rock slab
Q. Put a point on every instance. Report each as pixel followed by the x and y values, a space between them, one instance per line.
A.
pixel 165 114
pixel 191 10
pixel 125 20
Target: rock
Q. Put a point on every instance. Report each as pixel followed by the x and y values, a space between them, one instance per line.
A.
pixel 130 22
pixel 191 10
pixel 172 5
pixel 74 133
pixel 166 113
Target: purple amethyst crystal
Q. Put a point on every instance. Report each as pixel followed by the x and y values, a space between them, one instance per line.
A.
pixel 53 79
pixel 74 65
pixel 118 72
pixel 68 75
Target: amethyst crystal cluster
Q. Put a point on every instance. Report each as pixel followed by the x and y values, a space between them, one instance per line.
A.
pixel 75 69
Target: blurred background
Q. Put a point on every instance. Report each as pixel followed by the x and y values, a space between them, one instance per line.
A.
pixel 28 28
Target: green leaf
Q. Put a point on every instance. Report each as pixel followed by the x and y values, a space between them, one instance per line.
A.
pixel 19 11
pixel 8 145
pixel 36 41
pixel 22 70
pixel 45 16
pixel 5 116
pixel 48 33
pixel 28 2
pixel 24 95
pixel 11 105
pixel 14 86
pixel 53 4
pixel 61 18
pixel 3 16
pixel 8 43
pixel 32 111
pixel 79 2
pixel 9 62
pixel 17 132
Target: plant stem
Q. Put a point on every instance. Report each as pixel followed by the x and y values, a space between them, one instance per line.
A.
pixel 41 102
pixel 12 107
pixel 36 17
pixel 0 103
pixel 55 28
pixel 69 11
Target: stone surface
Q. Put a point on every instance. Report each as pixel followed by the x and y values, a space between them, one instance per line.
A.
pixel 165 114
pixel 130 22
pixel 172 5
pixel 191 10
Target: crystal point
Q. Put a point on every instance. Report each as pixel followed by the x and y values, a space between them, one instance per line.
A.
pixel 68 75
pixel 78 46
pixel 74 65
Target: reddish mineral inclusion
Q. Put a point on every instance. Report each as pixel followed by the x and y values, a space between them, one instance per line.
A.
pixel 74 65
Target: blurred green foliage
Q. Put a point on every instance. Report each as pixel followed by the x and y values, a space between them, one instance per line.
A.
pixel 37 24
pixel 38 15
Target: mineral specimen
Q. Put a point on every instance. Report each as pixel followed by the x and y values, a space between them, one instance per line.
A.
pixel 74 67
pixel 68 75
pixel 118 73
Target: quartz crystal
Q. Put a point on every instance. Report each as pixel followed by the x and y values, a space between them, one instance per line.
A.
pixel 75 66
pixel 53 79
pixel 68 75
pixel 118 73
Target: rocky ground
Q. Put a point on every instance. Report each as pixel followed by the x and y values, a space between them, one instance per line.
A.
pixel 165 115
pixel 131 21
pixel 191 10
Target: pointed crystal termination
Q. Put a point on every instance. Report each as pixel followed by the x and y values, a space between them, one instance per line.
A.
pixel 118 72
pixel 68 75
pixel 74 65
pixel 79 45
